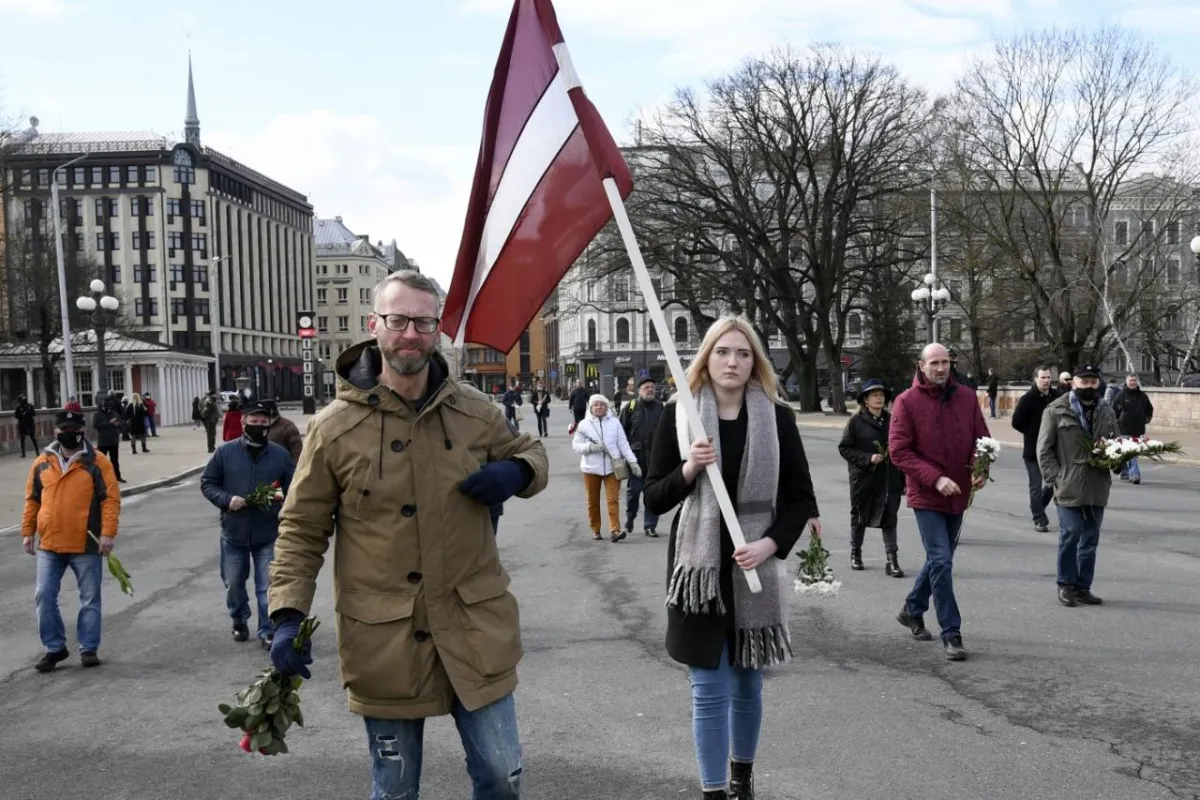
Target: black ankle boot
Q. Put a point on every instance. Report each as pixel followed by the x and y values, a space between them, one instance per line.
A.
pixel 719 794
pixel 856 558
pixel 741 781
pixel 893 566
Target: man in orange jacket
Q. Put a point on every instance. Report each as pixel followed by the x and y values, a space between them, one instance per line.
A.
pixel 71 495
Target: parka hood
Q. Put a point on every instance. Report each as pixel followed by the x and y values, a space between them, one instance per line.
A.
pixel 358 371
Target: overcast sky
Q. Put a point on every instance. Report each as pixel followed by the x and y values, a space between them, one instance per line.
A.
pixel 373 107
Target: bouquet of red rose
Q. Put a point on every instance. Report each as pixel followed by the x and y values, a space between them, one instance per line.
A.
pixel 263 495
pixel 270 705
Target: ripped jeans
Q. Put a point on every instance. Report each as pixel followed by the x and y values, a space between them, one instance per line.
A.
pixel 489 737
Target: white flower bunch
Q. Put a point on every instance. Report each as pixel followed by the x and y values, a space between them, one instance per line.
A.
pixel 987 447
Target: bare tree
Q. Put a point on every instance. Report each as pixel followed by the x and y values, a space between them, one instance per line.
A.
pixel 1045 138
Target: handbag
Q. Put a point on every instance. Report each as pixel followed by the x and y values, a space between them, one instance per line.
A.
pixel 518 416
pixel 620 465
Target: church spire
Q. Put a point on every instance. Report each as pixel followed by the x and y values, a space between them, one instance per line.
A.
pixel 191 123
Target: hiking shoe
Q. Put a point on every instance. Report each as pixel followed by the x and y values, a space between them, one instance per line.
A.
pixel 1085 597
pixel 617 536
pixel 1066 596
pixel 954 649
pixel 51 659
pixel 914 624
pixel 88 658
pixel 240 631
pixel 653 534
pixel 1041 527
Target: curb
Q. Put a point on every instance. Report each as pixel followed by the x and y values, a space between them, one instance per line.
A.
pixel 142 488
pixel 815 423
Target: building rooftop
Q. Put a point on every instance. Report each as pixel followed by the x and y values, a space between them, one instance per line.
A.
pixel 332 235
pixel 84 342
pixel 94 142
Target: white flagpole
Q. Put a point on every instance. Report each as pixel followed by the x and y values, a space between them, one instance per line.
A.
pixel 686 401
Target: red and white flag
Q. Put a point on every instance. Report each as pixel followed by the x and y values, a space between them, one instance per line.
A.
pixel 538 197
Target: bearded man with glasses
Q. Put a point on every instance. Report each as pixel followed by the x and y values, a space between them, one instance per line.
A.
pixel 408 463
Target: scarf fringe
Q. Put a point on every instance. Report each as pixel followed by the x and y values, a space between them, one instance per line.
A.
pixel 693 589
pixel 756 648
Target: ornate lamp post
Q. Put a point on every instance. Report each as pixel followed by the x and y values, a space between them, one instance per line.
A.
pixel 932 298
pixel 98 305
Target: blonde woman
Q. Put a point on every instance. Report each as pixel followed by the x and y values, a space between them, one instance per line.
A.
pixel 599 438
pixel 725 634
pixel 135 415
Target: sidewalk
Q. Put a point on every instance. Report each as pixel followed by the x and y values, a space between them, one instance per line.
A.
pixel 176 453
pixel 1003 432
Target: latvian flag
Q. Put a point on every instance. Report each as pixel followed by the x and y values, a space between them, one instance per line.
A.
pixel 538 198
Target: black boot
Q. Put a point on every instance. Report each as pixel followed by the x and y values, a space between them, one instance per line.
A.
pixel 741 781
pixel 719 794
pixel 856 558
pixel 893 566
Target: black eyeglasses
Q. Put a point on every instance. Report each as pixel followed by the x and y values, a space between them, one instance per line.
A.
pixel 400 322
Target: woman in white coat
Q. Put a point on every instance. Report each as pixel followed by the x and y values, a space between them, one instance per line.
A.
pixel 599 438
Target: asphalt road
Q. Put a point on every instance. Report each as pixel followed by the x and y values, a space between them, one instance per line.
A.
pixel 1053 703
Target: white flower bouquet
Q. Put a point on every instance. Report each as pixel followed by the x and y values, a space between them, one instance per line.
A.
pixel 1114 454
pixel 814 575
pixel 987 450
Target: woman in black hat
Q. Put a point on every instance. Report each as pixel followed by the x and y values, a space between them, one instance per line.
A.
pixel 876 486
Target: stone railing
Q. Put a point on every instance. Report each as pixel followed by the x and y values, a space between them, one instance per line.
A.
pixel 1173 408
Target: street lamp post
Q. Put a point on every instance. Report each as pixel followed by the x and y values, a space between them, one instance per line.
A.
pixel 270 379
pixel 215 311
pixel 68 352
pixel 1195 246
pixel 932 297
pixel 98 305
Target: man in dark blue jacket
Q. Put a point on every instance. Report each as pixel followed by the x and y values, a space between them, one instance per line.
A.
pixel 240 479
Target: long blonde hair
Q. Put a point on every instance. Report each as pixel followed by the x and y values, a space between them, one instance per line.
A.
pixel 763 372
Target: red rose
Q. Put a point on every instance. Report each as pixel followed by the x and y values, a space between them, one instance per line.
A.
pixel 245 743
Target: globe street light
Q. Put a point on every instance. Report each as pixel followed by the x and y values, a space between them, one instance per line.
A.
pixel 1196 246
pixel 932 298
pixel 98 306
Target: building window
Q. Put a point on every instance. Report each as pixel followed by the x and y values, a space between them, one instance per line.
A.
pixel 321 296
pixel 114 176
pixel 197 208
pixel 145 274
pixel 621 290
pixel 108 241
pixel 151 175
pixel 43 178
pixel 26 179
pixel 589 291
pixel 79 177
pixel 591 334
pixel 200 275
pixel 622 330
pixel 322 324
pixel 955 329
pixel 173 207
pixel 179 339
pixel 141 205
pixel 854 325
pixel 131 174
pixel 97 176
pixel 174 241
pixel 201 307
pixel 342 296
pixel 31 209
pixel 362 324
pixel 1121 232
pixel 681 330
pixel 200 244
pixel 653 334
pixel 1147 229
pixel 364 295
pixel 185 171
pixel 1172 270
pixel 177 273
pixel 179 306
pixel 343 324
pixel 1173 232
pixel 139 307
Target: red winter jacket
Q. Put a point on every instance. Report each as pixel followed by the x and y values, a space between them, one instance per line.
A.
pixel 933 434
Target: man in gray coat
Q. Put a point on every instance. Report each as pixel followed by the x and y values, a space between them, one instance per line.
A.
pixel 1070 426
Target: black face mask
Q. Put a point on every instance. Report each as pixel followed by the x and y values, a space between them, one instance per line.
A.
pixel 256 434
pixel 69 439
pixel 1086 394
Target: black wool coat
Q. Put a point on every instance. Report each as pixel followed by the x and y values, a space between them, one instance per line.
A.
pixel 697 639
pixel 875 489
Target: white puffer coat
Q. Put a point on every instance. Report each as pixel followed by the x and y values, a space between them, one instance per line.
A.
pixel 596 430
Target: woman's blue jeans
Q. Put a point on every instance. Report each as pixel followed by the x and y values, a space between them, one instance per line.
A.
pixel 726 718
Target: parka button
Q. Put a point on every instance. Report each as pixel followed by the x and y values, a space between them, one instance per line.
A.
pixel 414 577
pixel 397 445
pixel 373 400
pixel 408 510
pixel 421 636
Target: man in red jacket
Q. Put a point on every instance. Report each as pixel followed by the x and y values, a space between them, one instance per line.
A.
pixel 932 441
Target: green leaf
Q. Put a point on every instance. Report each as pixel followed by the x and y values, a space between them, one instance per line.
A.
pixel 236 717
pixel 299 718
pixel 253 721
pixel 296 681
pixel 272 690
pixel 254 695
pixel 272 707
pixel 224 708
pixel 260 740
pixel 118 571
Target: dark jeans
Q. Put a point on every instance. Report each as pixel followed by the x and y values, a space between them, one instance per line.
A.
pixel 489 738
pixel 210 433
pixel 992 404
pixel 543 425
pixel 1078 537
pixel 151 428
pixel 939 535
pixel 114 455
pixel 858 532
pixel 236 561
pixel 632 493
pixel 510 413
pixel 32 441
pixel 1039 495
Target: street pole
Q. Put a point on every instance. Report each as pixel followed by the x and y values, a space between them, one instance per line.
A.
pixel 68 352
pixel 98 319
pixel 933 207
pixel 215 325
pixel 98 305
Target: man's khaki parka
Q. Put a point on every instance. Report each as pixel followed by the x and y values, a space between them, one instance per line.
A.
pixel 422 605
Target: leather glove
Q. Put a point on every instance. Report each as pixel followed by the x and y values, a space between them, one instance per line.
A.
pixel 634 469
pixel 496 482
pixel 283 655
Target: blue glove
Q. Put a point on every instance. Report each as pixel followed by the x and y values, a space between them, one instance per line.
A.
pixel 496 482
pixel 283 655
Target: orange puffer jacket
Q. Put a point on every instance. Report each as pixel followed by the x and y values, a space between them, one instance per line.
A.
pixel 62 506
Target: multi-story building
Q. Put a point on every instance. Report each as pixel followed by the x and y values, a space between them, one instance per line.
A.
pixel 526 362
pixel 191 242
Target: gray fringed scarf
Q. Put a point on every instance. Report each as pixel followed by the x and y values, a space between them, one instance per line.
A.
pixel 762 637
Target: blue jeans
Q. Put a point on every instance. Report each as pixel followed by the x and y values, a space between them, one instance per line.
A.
pixel 1078 537
pixel 939 535
pixel 1039 495
pixel 235 571
pixel 50 569
pixel 632 494
pixel 992 404
pixel 726 718
pixel 489 737
pixel 1131 470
